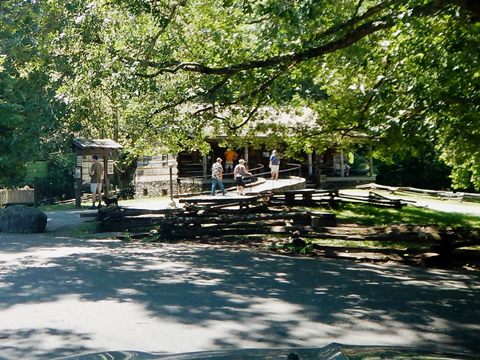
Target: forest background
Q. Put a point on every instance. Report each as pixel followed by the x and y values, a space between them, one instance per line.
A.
pixel 156 74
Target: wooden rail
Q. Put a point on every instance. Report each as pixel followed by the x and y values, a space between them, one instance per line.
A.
pixel 331 198
pixel 24 196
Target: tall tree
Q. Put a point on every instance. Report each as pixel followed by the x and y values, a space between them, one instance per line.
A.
pixel 163 73
pixel 33 125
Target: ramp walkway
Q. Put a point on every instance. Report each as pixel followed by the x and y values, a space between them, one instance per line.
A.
pixel 252 191
pixel 266 185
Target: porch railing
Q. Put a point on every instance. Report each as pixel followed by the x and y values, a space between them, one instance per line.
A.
pixel 196 184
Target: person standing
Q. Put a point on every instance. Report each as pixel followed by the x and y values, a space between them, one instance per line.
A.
pixel 238 174
pixel 217 176
pixel 274 165
pixel 230 156
pixel 96 175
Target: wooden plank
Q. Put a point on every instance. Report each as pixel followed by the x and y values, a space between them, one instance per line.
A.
pixel 218 199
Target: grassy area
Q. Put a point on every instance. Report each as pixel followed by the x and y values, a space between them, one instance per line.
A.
pixel 373 216
pixel 59 207
pixel 84 230
pixel 367 215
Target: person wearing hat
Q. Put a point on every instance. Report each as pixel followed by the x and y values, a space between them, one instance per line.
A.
pixel 217 176
pixel 239 173
pixel 96 174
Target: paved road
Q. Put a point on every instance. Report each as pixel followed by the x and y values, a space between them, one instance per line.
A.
pixel 61 295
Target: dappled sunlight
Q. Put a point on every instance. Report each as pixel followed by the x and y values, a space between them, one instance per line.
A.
pixel 178 297
pixel 91 321
pixel 423 278
pixel 46 253
pixel 34 342
pixel 276 310
pixel 359 328
pixel 103 241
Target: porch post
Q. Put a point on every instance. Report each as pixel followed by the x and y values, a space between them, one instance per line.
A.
pixel 310 164
pixel 204 163
pixel 342 164
pixel 370 160
pixel 78 180
pixel 105 175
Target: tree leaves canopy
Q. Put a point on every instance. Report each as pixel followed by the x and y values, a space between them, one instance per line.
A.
pixel 158 73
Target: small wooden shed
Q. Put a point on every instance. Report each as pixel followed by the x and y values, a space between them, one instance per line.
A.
pixel 105 149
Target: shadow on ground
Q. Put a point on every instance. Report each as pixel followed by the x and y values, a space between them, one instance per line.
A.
pixel 71 292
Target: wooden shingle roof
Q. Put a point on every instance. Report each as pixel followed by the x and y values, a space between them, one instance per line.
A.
pixel 96 144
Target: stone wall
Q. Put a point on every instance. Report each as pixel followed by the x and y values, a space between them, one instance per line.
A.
pixel 162 188
pixel 345 182
pixel 153 188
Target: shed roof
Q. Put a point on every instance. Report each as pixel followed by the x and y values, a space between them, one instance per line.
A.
pixel 96 144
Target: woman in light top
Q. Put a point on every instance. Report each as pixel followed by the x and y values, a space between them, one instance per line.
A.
pixel 239 173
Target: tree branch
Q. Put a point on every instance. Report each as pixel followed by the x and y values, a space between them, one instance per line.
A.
pixel 210 92
pixel 354 32
pixel 166 21
pixel 357 8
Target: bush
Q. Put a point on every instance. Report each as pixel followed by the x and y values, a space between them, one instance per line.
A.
pixel 59 183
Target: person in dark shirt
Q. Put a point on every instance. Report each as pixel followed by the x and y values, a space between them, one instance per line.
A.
pixel 274 165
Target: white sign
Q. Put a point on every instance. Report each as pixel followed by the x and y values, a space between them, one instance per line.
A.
pixel 78 172
pixel 110 167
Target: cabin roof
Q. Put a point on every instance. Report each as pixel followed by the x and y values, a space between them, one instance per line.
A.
pixel 96 144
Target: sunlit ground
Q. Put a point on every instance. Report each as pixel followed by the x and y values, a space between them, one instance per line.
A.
pixel 61 296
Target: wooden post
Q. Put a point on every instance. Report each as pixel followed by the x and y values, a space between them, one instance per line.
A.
pixel 310 164
pixel 105 175
pixel 170 173
pixel 289 198
pixel 342 164
pixel 370 160
pixel 78 171
pixel 205 166
pixel 78 193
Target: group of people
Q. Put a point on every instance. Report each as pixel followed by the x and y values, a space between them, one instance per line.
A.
pixel 240 171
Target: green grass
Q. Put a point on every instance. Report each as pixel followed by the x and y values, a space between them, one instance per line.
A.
pixel 60 207
pixel 367 215
pixel 374 216
pixel 84 230
pixel 57 207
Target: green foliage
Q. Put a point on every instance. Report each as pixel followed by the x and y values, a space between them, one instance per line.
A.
pixel 59 181
pixel 29 125
pixel 423 169
pixel 156 74
pixel 290 247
